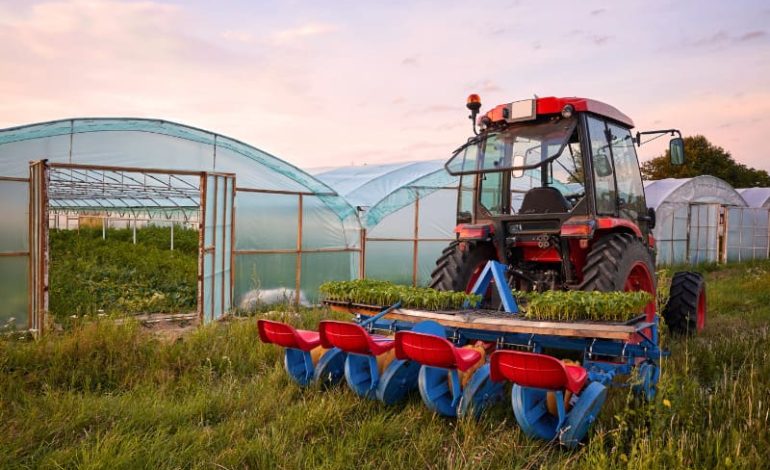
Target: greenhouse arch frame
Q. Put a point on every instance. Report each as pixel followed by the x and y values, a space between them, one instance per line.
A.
pixel 289 223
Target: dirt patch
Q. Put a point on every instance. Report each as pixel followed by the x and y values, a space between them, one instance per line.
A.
pixel 169 327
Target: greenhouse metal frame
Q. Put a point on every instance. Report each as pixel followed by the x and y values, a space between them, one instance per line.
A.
pixel 407 212
pixel 109 165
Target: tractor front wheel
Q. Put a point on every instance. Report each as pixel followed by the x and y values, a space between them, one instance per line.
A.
pixel 620 262
pixel 460 265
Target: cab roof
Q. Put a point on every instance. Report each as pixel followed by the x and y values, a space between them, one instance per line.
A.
pixel 554 105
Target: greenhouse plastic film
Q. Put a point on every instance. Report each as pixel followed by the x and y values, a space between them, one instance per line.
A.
pixel 264 279
pixel 266 221
pixel 438 214
pixel 318 268
pixel 389 261
pixel 14 286
pixel 14 229
pixel 747 233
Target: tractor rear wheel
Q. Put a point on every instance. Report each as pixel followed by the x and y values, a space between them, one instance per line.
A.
pixel 685 311
pixel 460 265
pixel 620 262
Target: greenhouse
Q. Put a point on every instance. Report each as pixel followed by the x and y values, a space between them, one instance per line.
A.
pixel 408 214
pixel 756 197
pixel 748 228
pixel 691 215
pixel 265 227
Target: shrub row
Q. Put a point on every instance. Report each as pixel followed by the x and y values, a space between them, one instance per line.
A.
pixel 552 305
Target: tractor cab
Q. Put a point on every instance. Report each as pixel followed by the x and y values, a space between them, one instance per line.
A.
pixel 551 186
pixel 527 168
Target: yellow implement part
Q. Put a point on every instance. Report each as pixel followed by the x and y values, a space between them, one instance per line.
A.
pixel 316 353
pixel 384 360
pixel 550 399
pixel 465 377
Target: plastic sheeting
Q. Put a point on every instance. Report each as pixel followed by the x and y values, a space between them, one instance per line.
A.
pixel 148 143
pixel 267 223
pixel 366 185
pixel 405 207
pixel 748 233
pixel 14 241
pixel 689 217
pixel 756 197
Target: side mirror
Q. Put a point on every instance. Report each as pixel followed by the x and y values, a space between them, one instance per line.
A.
pixel 602 165
pixel 676 151
pixel 651 220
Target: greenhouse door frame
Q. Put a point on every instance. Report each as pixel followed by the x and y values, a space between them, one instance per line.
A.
pixel 216 235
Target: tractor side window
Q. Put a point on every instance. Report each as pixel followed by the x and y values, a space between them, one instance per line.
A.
pixel 627 175
pixel 604 177
pixel 491 192
pixel 465 202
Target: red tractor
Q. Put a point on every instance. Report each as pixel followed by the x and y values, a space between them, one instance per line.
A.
pixel 551 187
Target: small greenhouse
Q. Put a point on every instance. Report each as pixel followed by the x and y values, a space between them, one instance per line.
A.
pixel 408 214
pixel 748 228
pixel 265 226
pixel 756 197
pixel 691 218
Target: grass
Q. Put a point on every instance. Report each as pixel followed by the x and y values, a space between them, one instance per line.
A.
pixel 102 395
pixel 89 274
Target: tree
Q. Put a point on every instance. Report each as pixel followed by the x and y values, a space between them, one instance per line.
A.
pixel 704 158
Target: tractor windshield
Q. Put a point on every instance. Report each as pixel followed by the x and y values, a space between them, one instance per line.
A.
pixel 520 147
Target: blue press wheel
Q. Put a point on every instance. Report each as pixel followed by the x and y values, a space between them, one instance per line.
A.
pixel 330 367
pixel 433 382
pixel 531 411
pixel 583 414
pixel 359 374
pixel 398 379
pixel 647 375
pixel 435 391
pixel 298 365
pixel 480 392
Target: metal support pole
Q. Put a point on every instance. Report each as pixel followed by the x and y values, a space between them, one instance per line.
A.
pixel 298 273
pixel 416 236
pixel 129 221
pixel 172 235
pixel 104 228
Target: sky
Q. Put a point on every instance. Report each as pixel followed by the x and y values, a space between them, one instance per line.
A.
pixel 338 82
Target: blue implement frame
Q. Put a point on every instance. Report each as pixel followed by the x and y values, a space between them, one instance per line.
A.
pixel 495 271
pixel 602 358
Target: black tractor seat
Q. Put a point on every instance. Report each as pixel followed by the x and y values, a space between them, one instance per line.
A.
pixel 545 200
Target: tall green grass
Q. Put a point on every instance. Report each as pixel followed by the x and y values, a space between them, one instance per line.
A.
pixel 103 395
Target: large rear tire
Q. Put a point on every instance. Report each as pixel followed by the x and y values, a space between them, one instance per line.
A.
pixel 460 265
pixel 685 311
pixel 620 262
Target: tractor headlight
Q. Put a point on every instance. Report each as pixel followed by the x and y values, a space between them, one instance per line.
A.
pixel 567 111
